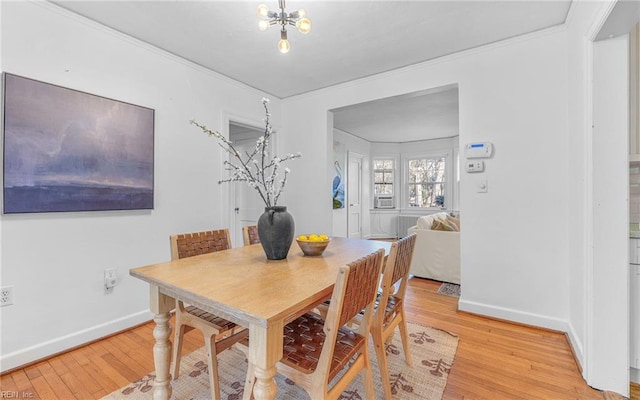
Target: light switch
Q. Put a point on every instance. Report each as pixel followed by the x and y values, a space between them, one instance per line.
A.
pixel 482 187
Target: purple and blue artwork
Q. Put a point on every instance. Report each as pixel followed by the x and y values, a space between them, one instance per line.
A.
pixel 66 150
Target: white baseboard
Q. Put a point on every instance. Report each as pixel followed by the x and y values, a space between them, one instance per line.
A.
pixel 634 375
pixel 60 344
pixel 509 314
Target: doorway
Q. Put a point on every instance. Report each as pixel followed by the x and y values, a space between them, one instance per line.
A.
pixel 245 203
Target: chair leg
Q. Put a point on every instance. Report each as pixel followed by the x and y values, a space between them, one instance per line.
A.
pixel 212 360
pixel 248 383
pixel 379 346
pixel 367 377
pixel 177 350
pixel 404 335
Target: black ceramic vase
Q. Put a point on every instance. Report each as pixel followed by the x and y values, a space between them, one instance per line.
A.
pixel 275 229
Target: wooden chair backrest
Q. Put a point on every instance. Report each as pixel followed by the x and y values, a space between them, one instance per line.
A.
pixel 396 269
pixel 250 235
pixel 194 244
pixel 355 290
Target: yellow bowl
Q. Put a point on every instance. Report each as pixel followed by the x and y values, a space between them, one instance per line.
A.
pixel 312 248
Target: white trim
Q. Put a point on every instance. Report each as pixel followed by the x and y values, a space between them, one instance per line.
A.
pixel 576 345
pixel 75 339
pixel 634 375
pixel 588 214
pixel 587 346
pixel 509 314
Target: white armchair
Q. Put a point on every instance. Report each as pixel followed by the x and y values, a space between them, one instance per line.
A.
pixel 437 253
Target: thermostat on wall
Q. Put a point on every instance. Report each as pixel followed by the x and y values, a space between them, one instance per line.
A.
pixel 474 166
pixel 478 150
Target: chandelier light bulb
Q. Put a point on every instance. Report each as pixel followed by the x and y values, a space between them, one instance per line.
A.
pixel 302 13
pixel 263 25
pixel 304 25
pixel 263 11
pixel 284 46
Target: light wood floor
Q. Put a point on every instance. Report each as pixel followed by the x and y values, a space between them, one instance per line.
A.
pixel 495 359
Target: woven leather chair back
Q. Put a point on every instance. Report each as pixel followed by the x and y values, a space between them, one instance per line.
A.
pixel 250 235
pixel 364 276
pixel 194 244
pixel 401 255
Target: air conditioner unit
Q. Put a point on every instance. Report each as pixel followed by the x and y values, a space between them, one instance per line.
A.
pixel 383 201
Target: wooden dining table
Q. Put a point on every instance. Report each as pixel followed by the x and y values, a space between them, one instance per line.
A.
pixel 244 287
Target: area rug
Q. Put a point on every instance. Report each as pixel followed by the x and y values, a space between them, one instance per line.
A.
pixel 432 352
pixel 449 289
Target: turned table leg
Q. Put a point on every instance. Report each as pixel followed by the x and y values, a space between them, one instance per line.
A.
pixel 265 349
pixel 161 305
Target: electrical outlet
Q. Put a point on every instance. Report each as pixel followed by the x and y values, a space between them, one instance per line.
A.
pixel 110 279
pixel 6 296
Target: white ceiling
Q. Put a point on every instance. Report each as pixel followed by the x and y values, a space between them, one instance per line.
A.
pixel 348 40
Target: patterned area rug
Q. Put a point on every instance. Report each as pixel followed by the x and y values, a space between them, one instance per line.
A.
pixel 449 289
pixel 432 352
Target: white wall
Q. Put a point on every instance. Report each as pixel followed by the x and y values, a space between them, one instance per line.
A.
pixel 514 94
pixel 56 261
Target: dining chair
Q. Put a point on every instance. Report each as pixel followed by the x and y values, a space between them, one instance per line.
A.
pixel 250 235
pixel 315 349
pixel 389 312
pixel 219 334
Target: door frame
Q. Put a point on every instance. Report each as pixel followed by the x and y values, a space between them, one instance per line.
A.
pixel 350 155
pixel 226 193
pixel 601 363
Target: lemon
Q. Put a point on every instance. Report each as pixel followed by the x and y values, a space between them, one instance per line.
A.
pixel 323 237
pixel 314 238
pixel 303 238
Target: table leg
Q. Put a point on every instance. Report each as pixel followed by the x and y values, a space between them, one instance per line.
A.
pixel 162 357
pixel 265 350
pixel 161 304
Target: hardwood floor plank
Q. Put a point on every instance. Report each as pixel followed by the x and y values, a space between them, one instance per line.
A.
pixel 54 381
pixel 103 377
pixel 76 386
pixel 91 384
pixel 43 390
pixel 495 359
pixel 635 391
pixel 7 384
pixel 23 383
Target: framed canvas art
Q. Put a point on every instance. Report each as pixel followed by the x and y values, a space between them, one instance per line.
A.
pixel 66 150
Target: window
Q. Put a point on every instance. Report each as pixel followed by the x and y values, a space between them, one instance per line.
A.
pixel 383 176
pixel 426 182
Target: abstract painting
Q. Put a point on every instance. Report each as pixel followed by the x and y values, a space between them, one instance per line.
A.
pixel 337 185
pixel 66 150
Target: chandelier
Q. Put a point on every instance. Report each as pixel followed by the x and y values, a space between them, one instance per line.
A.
pixel 297 18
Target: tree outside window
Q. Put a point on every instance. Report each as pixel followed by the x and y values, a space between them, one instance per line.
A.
pixel 427 182
pixel 383 176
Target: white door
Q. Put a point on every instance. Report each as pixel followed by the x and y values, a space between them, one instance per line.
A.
pixel 354 195
pixel 246 204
